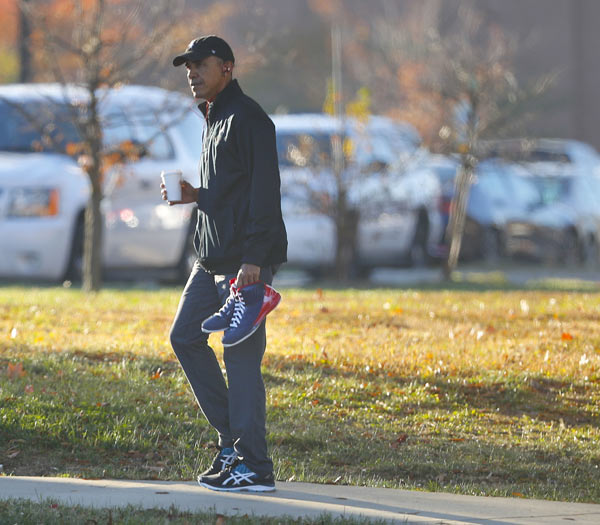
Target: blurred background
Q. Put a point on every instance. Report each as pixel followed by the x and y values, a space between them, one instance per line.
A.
pixel 412 134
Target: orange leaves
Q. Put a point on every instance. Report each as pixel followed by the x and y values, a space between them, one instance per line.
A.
pixel 157 375
pixel 74 148
pixel 15 371
pixel 395 310
pixel 566 336
pixel 399 440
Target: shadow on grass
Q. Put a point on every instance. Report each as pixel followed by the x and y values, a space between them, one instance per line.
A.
pixel 536 397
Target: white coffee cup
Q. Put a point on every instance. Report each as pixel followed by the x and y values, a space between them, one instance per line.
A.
pixel 172 181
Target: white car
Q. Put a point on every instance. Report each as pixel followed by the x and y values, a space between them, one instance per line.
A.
pixel 399 219
pixel 43 191
pixel 548 157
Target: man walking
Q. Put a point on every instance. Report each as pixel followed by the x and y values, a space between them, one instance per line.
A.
pixel 239 235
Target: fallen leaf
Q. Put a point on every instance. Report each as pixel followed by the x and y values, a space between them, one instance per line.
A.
pixel 399 440
pixel 518 495
pixel 15 371
pixel 157 374
pixel 566 336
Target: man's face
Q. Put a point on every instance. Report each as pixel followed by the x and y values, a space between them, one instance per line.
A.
pixel 207 77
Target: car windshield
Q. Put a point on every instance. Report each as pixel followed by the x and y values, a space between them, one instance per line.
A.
pixel 35 127
pixel 532 155
pixel 304 149
pixel 553 189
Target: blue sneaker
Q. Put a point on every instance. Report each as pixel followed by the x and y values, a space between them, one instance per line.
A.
pixel 237 478
pixel 224 458
pixel 218 322
pixel 253 303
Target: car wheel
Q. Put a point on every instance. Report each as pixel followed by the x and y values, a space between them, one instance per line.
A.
pixel 570 254
pixel 591 254
pixel 418 248
pixel 490 245
pixel 74 270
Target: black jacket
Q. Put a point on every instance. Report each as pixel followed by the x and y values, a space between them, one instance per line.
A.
pixel 239 200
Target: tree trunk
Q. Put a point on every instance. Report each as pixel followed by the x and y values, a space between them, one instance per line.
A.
pixel 458 213
pixel 24 46
pixel 346 240
pixel 92 247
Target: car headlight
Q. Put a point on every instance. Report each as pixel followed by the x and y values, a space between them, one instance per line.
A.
pixel 33 202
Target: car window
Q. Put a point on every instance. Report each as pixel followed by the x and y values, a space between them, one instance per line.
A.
pixel 296 149
pixel 36 126
pixel 150 131
pixel 553 189
pixel 372 146
pixel 116 129
pixel 530 155
pixel 189 129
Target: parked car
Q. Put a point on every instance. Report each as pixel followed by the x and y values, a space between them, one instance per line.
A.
pixel 445 169
pixel 398 206
pixel 548 157
pixel 565 227
pixel 499 193
pixel 400 222
pixel 43 191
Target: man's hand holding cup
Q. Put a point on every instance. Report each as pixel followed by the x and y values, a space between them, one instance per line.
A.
pixel 175 190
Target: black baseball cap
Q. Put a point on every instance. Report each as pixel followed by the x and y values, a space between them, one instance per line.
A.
pixel 203 47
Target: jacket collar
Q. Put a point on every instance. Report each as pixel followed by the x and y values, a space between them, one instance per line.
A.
pixel 229 92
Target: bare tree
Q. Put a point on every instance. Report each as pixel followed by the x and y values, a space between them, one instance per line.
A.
pixel 462 87
pixel 97 45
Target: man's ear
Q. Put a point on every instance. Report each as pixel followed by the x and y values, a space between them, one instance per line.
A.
pixel 227 67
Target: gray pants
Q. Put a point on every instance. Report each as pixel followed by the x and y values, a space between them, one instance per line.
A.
pixel 236 409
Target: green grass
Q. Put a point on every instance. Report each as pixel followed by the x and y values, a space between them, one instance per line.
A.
pixel 51 512
pixel 487 393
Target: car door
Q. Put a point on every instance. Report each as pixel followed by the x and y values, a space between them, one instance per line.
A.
pixel 388 217
pixel 143 231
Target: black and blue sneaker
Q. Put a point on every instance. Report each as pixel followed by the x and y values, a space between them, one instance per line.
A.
pixel 225 458
pixel 237 478
pixel 252 304
pixel 219 321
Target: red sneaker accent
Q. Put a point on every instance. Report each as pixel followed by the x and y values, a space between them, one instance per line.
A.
pixel 270 301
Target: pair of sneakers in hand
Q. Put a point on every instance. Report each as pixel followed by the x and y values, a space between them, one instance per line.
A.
pixel 243 312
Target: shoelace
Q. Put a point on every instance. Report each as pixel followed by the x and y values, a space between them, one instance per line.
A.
pixel 238 312
pixel 232 295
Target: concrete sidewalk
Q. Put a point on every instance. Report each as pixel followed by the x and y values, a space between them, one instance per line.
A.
pixel 304 499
